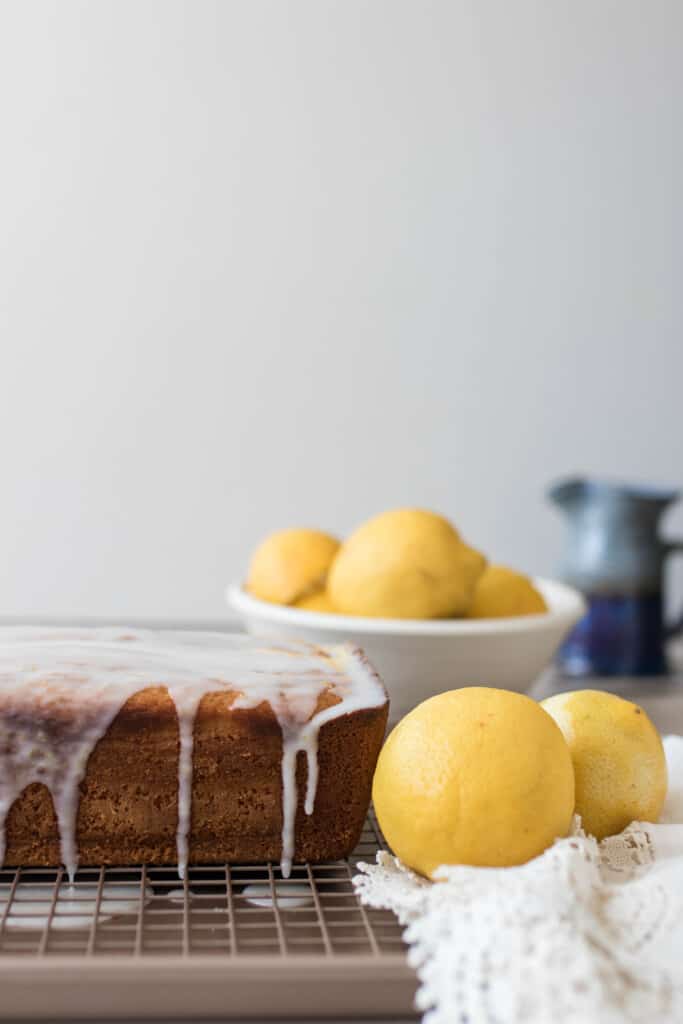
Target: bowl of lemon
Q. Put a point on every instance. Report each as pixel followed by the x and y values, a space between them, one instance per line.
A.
pixel 430 611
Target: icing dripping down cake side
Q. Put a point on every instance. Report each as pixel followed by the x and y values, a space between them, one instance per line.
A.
pixel 124 746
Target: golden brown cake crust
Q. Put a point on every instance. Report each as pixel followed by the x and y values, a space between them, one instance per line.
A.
pixel 128 811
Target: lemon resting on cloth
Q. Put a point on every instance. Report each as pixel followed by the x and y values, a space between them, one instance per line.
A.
pixel 474 776
pixel 618 758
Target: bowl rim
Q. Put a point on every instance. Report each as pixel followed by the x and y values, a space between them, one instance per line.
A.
pixel 566 606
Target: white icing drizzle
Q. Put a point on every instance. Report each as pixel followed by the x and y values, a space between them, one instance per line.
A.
pixel 75 906
pixel 60 690
pixel 287 896
pixel 186 709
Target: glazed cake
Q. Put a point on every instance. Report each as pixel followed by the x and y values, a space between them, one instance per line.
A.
pixel 128 746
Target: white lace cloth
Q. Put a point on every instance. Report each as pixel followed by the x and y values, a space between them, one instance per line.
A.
pixel 587 933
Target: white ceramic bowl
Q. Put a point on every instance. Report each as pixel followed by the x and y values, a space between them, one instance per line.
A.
pixel 418 658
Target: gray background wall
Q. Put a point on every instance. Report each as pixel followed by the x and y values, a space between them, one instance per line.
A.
pixel 269 263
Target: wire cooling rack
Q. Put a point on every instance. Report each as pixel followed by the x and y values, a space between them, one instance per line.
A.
pixel 229 941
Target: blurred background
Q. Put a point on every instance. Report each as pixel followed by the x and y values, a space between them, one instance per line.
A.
pixel 292 263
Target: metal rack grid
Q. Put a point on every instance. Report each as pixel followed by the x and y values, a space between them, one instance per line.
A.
pixel 233 940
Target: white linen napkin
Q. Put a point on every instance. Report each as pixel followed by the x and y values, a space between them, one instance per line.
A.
pixel 587 933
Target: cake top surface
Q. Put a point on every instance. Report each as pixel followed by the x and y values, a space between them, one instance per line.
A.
pixel 84 664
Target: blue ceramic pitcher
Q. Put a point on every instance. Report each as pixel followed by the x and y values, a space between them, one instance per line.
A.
pixel 615 556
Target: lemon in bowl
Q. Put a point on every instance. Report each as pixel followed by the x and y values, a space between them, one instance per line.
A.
pixel 475 776
pixel 408 563
pixel 291 566
pixel 502 593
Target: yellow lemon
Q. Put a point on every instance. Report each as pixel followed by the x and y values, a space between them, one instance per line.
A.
pixel 474 776
pixel 618 758
pixel 291 564
pixel 317 601
pixel 502 592
pixel 405 564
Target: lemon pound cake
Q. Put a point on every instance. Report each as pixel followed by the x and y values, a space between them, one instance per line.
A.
pixel 127 746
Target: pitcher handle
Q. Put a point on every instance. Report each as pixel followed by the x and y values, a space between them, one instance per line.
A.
pixel 674 547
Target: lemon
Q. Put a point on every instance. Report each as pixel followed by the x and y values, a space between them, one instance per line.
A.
pixel 317 601
pixel 619 761
pixel 290 564
pixel 405 564
pixel 474 776
pixel 502 592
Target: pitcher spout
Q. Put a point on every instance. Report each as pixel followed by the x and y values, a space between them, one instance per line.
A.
pixel 568 491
